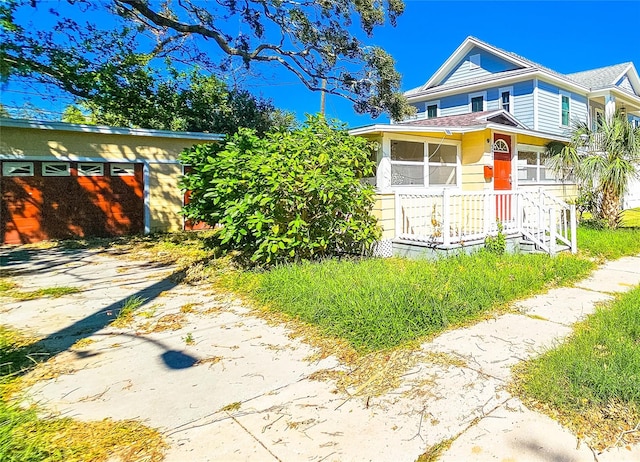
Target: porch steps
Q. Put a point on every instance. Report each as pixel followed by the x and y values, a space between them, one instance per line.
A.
pixel 528 246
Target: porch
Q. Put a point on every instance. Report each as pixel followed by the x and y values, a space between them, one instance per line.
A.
pixel 448 220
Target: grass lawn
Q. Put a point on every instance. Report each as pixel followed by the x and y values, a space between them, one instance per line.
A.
pixel 591 383
pixel 377 304
pixel 610 244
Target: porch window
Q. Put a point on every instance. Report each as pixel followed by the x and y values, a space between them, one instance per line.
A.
pixel 412 166
pixel 443 164
pixel 565 110
pixel 532 168
pixel 407 163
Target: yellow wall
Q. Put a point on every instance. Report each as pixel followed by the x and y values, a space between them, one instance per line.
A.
pixel 384 211
pixel 474 147
pixel 165 197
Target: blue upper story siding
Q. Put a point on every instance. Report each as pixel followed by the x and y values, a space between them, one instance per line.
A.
pixel 489 64
pixel 549 109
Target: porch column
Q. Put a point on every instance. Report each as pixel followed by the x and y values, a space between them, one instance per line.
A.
pixel 609 106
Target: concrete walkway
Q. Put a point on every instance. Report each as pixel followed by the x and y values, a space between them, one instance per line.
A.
pixel 222 384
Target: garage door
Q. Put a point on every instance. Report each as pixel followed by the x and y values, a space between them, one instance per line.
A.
pixel 58 200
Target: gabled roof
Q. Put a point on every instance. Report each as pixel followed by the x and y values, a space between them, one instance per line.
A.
pixel 471 119
pixel 607 77
pixel 587 81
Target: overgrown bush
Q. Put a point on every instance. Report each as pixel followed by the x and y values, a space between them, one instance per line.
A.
pixel 288 196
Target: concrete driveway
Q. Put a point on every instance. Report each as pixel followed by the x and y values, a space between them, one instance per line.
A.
pixel 222 384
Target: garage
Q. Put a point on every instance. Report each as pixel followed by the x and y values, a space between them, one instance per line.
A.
pixel 64 199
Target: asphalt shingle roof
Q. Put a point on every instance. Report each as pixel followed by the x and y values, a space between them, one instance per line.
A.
pixel 596 79
pixel 461 120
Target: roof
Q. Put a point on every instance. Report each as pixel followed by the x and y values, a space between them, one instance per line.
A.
pixel 604 77
pixel 102 129
pixel 590 80
pixel 467 120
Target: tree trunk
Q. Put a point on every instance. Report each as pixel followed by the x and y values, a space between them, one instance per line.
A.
pixel 610 207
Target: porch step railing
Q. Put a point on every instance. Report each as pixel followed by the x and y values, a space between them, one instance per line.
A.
pixel 448 217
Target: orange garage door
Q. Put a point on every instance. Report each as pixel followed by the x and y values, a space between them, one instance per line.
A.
pixel 58 200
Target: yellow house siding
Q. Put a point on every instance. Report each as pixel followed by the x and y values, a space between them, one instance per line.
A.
pixel 165 197
pixel 474 147
pixel 384 211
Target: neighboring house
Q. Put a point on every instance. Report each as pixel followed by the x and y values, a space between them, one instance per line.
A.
pixel 475 151
pixel 60 180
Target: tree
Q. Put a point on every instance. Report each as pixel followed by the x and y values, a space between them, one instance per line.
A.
pixel 605 159
pixel 288 196
pixel 315 41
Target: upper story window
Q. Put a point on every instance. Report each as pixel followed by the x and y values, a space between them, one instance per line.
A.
pixel 423 164
pixel 505 99
pixel 477 104
pixel 565 109
pixel 432 111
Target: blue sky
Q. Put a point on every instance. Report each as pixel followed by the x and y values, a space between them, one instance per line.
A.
pixel 566 36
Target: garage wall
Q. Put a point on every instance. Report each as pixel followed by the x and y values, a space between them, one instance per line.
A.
pixel 159 152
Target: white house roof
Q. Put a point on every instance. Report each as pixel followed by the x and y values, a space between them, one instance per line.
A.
pixel 64 126
pixel 587 81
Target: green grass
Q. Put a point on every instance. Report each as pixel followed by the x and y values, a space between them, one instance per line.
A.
pixel 128 308
pixel 27 436
pixel 382 303
pixel 611 244
pixel 593 380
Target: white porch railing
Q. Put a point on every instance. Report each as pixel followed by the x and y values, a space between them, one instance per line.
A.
pixel 447 217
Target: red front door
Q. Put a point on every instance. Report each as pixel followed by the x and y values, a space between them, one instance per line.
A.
pixel 502 174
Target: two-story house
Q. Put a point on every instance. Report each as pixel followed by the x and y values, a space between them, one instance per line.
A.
pixel 475 151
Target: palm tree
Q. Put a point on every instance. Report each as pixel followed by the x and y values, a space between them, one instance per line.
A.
pixel 604 160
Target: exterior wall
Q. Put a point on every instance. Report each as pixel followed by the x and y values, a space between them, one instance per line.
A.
pixel 565 192
pixel 549 109
pixel 631 199
pixel 489 64
pixel 523 102
pixel 454 105
pixel 384 211
pixel 625 84
pixel 165 197
pixel 475 155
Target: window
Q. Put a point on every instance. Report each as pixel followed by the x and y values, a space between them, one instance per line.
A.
pixel 407 163
pixel 477 104
pixel 122 169
pixel 443 164
pixel 90 169
pixel 565 110
pixel 410 168
pixel 506 99
pixel 532 168
pixel 17 169
pixel 56 169
pixel 474 61
pixel 432 111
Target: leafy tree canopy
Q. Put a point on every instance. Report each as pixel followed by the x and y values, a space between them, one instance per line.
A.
pixel 314 40
pixel 288 196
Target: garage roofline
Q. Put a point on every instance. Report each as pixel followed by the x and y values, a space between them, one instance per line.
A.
pixel 103 129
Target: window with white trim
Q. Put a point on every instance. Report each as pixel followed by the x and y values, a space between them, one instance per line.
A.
pixel 17 169
pixel 532 167
pixel 477 101
pixel 90 169
pixel 505 96
pixel 407 163
pixel 423 164
pixel 565 109
pixel 56 169
pixel 122 169
pixel 432 111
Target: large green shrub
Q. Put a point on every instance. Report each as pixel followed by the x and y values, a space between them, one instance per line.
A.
pixel 287 196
